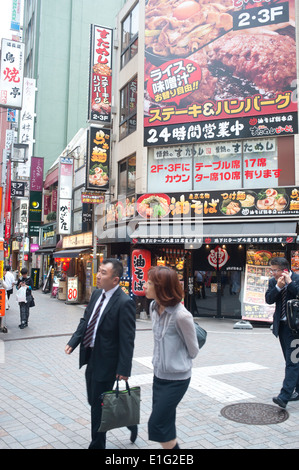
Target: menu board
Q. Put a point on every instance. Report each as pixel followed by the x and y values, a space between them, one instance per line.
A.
pixel 257 275
pixel 295 261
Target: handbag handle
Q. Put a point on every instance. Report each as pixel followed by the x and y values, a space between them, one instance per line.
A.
pixel 117 387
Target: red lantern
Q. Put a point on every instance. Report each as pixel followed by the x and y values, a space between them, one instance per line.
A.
pixel 141 263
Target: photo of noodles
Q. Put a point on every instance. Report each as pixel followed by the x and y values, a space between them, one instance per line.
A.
pixel 153 206
pixel 248 201
pixel 271 199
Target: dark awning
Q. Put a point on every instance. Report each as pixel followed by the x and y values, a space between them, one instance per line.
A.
pixel 240 232
pixel 44 251
pixel 71 253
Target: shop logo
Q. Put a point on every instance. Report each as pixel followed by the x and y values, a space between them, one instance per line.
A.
pixel 218 257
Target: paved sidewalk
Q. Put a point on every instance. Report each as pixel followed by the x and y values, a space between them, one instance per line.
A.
pixel 43 401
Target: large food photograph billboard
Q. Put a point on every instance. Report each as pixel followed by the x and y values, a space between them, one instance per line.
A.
pixel 219 71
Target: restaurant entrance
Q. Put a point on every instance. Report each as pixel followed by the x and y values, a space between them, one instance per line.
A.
pixel 218 274
pixel 218 294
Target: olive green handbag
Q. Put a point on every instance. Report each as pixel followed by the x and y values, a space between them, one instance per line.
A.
pixel 120 408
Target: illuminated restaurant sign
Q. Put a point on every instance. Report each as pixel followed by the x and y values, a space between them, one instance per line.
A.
pixel 219 71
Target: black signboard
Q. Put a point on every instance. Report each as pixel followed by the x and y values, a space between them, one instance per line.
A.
pixel 18 188
pixel 35 277
pixel 98 159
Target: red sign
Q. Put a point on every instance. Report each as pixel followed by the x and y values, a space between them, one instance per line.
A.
pixel 100 81
pixel 2 302
pixel 141 263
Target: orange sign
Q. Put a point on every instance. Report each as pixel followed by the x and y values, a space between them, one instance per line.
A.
pixel 2 302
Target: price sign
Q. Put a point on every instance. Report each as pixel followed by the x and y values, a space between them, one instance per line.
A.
pixel 72 290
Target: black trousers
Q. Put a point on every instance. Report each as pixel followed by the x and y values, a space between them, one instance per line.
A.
pixel 291 379
pixel 94 391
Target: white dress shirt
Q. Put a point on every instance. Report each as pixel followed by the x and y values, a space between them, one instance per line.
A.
pixel 108 294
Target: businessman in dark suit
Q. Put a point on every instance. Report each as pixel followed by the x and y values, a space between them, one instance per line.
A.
pixel 283 286
pixel 106 336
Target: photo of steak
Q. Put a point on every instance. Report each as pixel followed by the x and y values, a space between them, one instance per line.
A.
pixel 266 60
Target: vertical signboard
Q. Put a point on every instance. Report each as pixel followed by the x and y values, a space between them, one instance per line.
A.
pixel 219 71
pixel 36 174
pixel 27 113
pixel 11 74
pixel 65 186
pixel 72 290
pixel 141 263
pixel 100 75
pixel 15 16
pixel 98 159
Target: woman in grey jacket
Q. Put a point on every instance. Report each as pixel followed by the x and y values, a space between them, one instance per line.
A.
pixel 175 345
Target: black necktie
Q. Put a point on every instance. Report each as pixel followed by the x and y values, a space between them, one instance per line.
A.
pixel 283 302
pixel 91 325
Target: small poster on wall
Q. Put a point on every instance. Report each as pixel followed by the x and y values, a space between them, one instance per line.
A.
pixel 257 275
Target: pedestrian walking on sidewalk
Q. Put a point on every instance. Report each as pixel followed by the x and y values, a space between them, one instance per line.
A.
pixel 175 345
pixel 283 286
pixel 106 337
pixel 25 281
pixel 10 281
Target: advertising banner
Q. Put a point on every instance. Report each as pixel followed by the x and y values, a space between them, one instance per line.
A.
pixel 100 75
pixel 36 174
pixel 219 71
pixel 11 74
pixel 241 204
pixel 98 159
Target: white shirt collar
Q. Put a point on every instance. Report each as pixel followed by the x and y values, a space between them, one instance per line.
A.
pixel 109 293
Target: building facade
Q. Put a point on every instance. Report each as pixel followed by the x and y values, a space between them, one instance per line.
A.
pixel 213 176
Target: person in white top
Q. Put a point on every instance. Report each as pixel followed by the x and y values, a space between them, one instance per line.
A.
pixel 10 281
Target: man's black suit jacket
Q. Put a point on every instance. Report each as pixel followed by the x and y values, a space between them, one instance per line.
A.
pixel 274 296
pixel 114 343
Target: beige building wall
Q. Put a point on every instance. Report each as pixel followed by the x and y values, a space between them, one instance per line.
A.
pixel 134 142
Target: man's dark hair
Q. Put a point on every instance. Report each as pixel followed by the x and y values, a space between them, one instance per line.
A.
pixel 24 271
pixel 117 266
pixel 7 268
pixel 281 262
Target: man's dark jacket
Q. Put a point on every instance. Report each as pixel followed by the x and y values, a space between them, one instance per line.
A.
pixel 274 296
pixel 114 343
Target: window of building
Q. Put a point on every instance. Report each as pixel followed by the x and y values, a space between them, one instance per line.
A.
pixel 129 36
pixel 127 175
pixel 128 107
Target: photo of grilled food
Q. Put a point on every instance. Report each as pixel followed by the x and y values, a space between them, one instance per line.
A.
pixel 234 64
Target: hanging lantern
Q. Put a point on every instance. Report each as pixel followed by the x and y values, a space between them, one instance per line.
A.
pixel 141 263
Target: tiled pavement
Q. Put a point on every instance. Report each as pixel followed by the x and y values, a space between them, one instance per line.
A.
pixel 43 402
